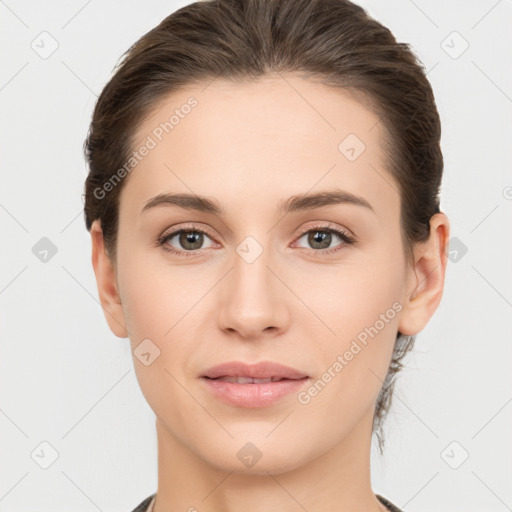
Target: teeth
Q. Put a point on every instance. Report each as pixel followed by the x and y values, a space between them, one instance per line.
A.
pixel 248 380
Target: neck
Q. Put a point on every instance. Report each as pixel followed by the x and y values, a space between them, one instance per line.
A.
pixel 338 480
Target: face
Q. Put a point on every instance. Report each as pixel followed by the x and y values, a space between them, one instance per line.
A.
pixel 319 285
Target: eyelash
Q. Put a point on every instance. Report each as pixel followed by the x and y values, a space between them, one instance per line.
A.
pixel 343 235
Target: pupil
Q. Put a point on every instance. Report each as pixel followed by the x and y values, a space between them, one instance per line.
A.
pixel 188 238
pixel 321 237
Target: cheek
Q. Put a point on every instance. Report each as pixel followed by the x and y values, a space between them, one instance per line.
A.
pixel 153 306
pixel 345 299
pixel 159 303
pixel 359 307
pixel 152 293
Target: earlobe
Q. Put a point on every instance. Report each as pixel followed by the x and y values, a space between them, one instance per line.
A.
pixel 426 278
pixel 107 283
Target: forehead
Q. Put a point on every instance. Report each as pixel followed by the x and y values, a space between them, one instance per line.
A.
pixel 265 139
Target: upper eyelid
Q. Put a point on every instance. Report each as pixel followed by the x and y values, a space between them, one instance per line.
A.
pixel 175 231
pixel 328 226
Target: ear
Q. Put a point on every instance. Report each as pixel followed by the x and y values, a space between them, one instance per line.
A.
pixel 425 281
pixel 106 281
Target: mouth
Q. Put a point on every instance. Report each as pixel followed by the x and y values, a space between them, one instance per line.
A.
pixel 253 386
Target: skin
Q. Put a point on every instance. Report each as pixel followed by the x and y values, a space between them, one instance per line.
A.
pixel 250 146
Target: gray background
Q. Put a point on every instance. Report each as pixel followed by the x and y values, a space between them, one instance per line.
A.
pixel 67 381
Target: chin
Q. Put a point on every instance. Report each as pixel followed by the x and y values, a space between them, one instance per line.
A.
pixel 252 455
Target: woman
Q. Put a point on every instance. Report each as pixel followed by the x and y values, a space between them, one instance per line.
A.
pixel 263 203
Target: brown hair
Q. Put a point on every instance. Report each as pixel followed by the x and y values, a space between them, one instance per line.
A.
pixel 334 41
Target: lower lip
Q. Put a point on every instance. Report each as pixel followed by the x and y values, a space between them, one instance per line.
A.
pixel 251 394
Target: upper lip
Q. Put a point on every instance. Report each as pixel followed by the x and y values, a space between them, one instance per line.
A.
pixel 262 370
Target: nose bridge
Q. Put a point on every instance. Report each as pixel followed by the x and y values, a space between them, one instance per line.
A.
pixel 252 300
pixel 251 280
pixel 250 272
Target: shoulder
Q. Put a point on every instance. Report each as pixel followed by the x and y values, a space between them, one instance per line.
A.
pixel 388 504
pixel 143 505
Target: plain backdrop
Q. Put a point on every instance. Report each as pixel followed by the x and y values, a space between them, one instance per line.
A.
pixel 69 399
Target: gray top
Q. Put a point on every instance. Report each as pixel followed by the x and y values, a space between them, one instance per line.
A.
pixel 143 506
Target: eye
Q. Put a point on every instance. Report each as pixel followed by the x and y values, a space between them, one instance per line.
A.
pixel 320 238
pixel 189 241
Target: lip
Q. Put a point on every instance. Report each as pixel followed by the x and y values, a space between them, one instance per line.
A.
pixel 262 370
pixel 253 395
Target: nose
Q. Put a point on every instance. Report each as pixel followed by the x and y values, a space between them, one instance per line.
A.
pixel 253 300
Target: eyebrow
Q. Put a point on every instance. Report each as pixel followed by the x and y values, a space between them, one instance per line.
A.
pixel 300 202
